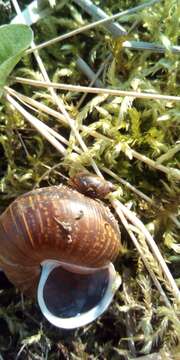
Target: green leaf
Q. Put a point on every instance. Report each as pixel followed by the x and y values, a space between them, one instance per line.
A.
pixel 15 39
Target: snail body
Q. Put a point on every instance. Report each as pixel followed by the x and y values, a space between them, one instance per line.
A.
pixel 91 185
pixel 52 235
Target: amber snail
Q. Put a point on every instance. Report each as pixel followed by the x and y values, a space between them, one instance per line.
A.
pixel 60 244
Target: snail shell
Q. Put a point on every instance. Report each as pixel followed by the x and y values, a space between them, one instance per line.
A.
pixel 53 235
pixel 91 185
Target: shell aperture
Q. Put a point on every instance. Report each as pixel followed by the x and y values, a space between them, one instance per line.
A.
pixel 74 297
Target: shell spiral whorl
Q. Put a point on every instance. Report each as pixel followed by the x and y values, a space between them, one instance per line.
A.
pixel 58 223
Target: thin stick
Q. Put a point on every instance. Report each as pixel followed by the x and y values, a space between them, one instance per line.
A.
pixel 56 99
pixel 128 185
pixel 136 243
pixel 138 223
pixel 50 130
pixel 92 25
pixel 37 106
pixel 167 170
pixel 143 45
pixel 93 90
pixel 97 13
pixel 42 128
pixel 93 80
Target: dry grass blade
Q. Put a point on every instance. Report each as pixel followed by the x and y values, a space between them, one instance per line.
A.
pixel 94 24
pixel 120 213
pixel 117 205
pixel 93 90
pixel 41 128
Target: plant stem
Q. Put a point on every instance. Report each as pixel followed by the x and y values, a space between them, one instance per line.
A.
pixel 42 128
pixel 175 173
pixel 85 68
pixel 138 223
pixel 97 13
pixel 153 47
pixel 92 25
pixel 120 212
pixel 93 90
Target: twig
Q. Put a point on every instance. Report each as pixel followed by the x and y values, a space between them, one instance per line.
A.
pixel 93 80
pixel 169 154
pixel 116 204
pixel 85 68
pixel 97 13
pixel 93 90
pixel 128 185
pixel 167 170
pixel 92 25
pixel 49 130
pixel 143 45
pixel 138 223
pixel 42 128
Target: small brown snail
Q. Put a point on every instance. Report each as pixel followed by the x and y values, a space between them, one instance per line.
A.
pixel 91 185
pixel 60 244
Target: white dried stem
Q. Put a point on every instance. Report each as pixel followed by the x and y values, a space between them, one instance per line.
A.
pixel 42 128
pixel 120 213
pixel 94 90
pixel 92 25
pixel 97 13
pixel 168 155
pixel 138 223
pixel 175 173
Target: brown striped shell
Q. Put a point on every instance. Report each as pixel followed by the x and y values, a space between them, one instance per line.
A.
pixel 91 185
pixel 55 223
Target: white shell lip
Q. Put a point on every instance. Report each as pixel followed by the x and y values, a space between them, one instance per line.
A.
pixel 88 316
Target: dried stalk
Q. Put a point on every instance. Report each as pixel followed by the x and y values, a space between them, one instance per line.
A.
pixel 42 128
pixel 167 170
pixel 97 13
pixel 116 204
pixel 93 90
pixel 138 223
pixel 92 25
